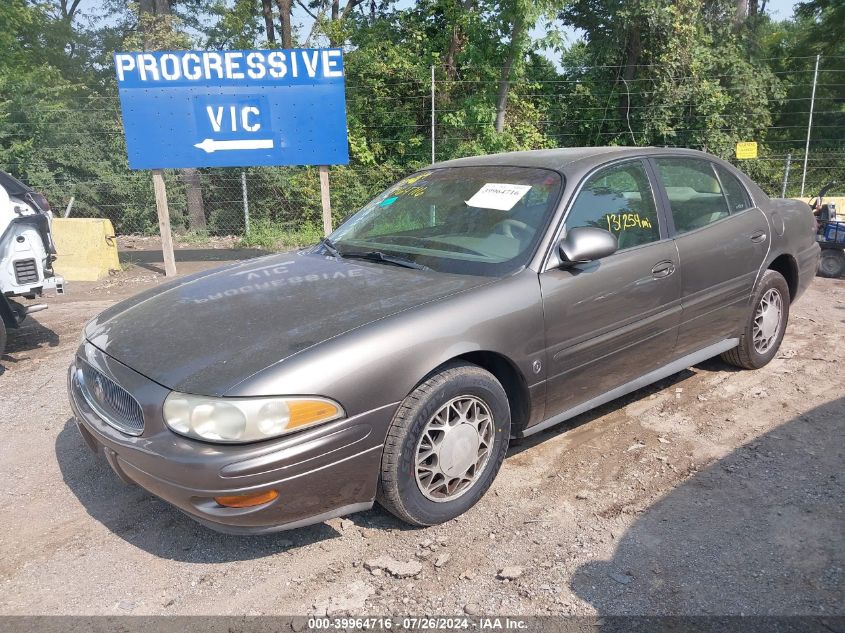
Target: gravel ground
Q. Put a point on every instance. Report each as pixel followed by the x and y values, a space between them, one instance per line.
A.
pixel 713 492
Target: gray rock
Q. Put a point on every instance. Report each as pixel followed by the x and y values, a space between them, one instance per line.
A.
pixel 442 559
pixel 511 572
pixel 352 599
pixel 395 568
pixel 472 608
pixel 623 579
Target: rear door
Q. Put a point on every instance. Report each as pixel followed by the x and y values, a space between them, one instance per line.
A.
pixel 610 321
pixel 722 241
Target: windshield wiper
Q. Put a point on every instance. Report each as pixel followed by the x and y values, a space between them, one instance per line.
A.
pixel 329 246
pixel 378 256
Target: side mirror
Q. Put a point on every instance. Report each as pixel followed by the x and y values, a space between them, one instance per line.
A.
pixel 586 244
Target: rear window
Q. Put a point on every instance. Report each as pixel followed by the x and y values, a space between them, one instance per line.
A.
pixel 694 192
pixel 735 192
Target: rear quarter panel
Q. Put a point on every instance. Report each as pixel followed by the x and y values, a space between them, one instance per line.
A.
pixel 793 234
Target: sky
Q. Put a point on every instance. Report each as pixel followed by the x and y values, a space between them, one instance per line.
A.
pixel 779 9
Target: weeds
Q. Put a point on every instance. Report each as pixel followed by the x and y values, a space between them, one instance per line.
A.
pixel 274 237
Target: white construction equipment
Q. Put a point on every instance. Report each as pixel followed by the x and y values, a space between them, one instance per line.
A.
pixel 26 252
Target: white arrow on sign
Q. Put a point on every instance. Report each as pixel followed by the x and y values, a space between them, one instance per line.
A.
pixel 209 145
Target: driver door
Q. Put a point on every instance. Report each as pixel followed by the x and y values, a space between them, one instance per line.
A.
pixel 610 321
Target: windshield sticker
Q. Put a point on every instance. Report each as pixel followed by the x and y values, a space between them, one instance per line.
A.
pixel 407 187
pixel 388 202
pixel 413 179
pixel 501 197
pixel 410 190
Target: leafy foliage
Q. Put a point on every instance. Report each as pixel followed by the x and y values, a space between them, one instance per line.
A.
pixel 690 73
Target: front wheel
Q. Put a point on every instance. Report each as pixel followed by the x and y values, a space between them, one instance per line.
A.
pixel 832 263
pixel 765 325
pixel 445 445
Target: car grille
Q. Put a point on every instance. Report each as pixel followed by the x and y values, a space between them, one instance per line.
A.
pixel 117 407
pixel 26 272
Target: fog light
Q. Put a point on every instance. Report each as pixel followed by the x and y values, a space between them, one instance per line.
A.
pixel 248 500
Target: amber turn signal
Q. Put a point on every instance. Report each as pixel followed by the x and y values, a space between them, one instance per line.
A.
pixel 248 500
pixel 305 412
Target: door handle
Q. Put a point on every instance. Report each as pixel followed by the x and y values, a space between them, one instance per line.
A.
pixel 759 236
pixel 662 269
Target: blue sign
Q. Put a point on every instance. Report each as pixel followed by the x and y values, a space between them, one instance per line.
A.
pixel 233 108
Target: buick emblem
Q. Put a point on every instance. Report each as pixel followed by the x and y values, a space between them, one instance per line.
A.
pixel 99 389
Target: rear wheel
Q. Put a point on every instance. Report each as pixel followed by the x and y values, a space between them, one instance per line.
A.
pixel 445 445
pixel 765 324
pixel 832 263
pixel 2 337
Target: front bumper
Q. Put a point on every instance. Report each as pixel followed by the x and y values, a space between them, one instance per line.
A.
pixel 319 473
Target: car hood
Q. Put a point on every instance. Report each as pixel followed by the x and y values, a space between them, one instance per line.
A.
pixel 206 333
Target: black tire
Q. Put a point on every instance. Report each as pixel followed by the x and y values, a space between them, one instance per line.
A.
pixel 832 263
pixel 2 337
pixel 398 491
pixel 746 355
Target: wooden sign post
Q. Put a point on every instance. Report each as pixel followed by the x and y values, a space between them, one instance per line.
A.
pixel 164 223
pixel 325 198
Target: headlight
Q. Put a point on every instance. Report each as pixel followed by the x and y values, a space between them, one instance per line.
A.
pixel 241 420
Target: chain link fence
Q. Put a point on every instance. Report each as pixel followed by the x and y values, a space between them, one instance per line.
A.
pixel 399 131
pixel 224 202
pixel 286 200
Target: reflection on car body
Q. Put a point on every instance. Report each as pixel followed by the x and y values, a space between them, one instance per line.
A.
pixel 477 300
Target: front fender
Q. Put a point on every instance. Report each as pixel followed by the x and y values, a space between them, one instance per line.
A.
pixel 380 363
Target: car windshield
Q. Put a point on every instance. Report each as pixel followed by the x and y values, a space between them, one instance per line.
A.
pixel 466 220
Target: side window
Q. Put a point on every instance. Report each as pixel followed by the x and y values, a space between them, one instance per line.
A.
pixel 695 195
pixel 618 199
pixel 735 192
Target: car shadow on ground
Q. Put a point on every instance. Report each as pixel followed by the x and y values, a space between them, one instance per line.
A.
pixel 150 524
pixel 759 532
pixel 31 335
pixel 153 260
pixel 580 421
pixel 713 365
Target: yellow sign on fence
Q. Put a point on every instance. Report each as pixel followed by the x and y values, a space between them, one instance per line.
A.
pixel 746 149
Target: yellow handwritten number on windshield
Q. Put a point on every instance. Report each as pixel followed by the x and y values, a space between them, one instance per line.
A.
pixel 617 222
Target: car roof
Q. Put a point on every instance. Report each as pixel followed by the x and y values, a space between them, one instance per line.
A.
pixel 566 158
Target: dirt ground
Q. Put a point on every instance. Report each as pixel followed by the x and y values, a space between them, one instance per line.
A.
pixel 713 492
